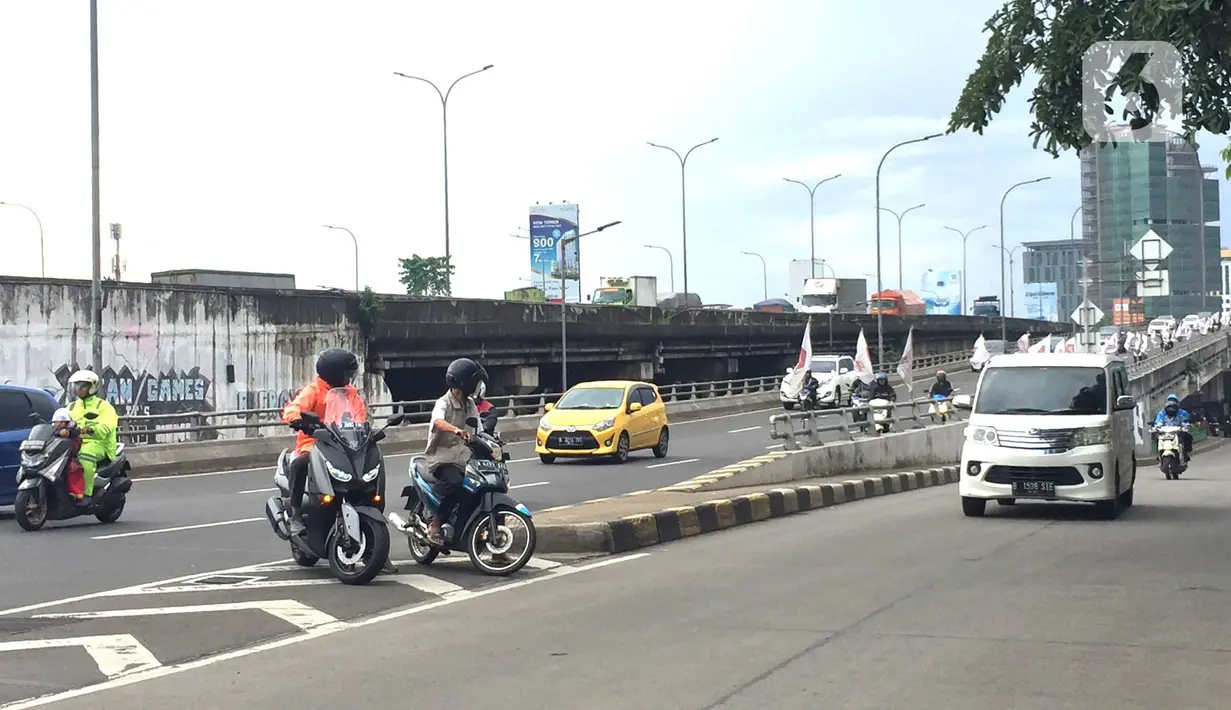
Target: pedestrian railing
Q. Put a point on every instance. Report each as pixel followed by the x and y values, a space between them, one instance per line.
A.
pixel 799 429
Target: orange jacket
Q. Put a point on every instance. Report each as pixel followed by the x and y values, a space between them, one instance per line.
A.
pixel 312 399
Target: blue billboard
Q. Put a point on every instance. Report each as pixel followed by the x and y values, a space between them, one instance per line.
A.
pixel 941 292
pixel 1042 302
pixel 551 226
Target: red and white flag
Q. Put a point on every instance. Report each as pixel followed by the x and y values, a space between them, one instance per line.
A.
pixel 796 378
pixel 863 359
pixel 906 368
pixel 1043 346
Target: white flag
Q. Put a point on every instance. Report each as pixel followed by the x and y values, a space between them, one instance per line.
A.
pixel 1111 345
pixel 863 360
pixel 1023 343
pixel 803 364
pixel 981 353
pixel 906 368
pixel 1042 346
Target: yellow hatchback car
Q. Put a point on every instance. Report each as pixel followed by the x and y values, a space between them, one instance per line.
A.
pixel 607 418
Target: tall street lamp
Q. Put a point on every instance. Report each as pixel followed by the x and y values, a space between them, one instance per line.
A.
pixel 899 216
pixel 670 263
pixel 812 219
pixel 564 305
pixel 444 108
pixel 683 200
pixel 1012 292
pixel 356 241
pixel 96 245
pixel 880 323
pixel 1004 328
pixel 764 274
pixel 42 263
pixel 964 236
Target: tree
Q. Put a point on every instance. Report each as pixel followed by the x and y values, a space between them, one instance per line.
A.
pixel 426 275
pixel 1051 36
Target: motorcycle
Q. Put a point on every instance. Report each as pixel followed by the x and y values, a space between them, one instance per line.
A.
pixel 1170 451
pixel 882 410
pixel 808 399
pixel 42 481
pixel 480 524
pixel 940 408
pixel 343 504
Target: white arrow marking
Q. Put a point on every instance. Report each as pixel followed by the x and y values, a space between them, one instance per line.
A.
pixel 289 610
pixel 115 655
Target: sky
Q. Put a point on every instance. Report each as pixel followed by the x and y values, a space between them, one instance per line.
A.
pixel 231 131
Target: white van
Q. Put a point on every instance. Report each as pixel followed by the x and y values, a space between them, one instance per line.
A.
pixel 1055 427
pixel 1160 326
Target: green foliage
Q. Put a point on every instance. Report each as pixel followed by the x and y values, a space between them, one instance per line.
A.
pixel 1226 155
pixel 368 310
pixel 1050 38
pixel 426 275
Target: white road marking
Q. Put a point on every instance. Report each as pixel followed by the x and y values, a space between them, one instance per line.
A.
pixel 740 431
pixel 672 463
pixel 548 510
pixel 206 588
pixel 176 529
pixel 774 446
pixel 115 655
pixel 532 458
pixel 289 610
pixel 529 485
pixel 259 490
pixel 431 585
pixel 133 678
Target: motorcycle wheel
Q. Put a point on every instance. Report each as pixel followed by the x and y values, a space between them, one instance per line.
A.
pixel 474 543
pixel 420 551
pixel 112 513
pixel 375 542
pixel 30 516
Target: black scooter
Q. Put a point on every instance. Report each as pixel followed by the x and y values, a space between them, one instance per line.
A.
pixel 42 481
pixel 343 506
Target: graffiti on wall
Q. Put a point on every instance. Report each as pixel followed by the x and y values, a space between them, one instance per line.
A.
pixel 264 399
pixel 149 393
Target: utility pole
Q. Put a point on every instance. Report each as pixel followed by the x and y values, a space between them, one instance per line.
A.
pixel 115 265
pixel 96 288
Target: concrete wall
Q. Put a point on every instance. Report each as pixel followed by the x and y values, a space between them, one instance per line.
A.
pixel 169 351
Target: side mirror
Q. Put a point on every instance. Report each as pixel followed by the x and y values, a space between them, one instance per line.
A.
pixel 843 370
pixel 472 422
pixel 1124 402
pixel 789 370
pixel 548 407
pixel 396 420
pixel 962 401
pixel 378 436
pixel 634 407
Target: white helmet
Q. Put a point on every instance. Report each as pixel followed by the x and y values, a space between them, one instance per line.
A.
pixel 84 377
pixel 481 391
pixel 62 415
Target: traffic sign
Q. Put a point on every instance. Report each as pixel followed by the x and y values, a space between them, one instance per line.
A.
pixel 1151 248
pixel 1087 314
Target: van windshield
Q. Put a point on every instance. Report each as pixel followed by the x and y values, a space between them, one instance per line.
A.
pixel 1043 390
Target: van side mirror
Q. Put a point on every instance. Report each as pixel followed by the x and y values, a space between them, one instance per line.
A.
pixel 1124 402
pixel 789 370
pixel 962 401
pixel 843 370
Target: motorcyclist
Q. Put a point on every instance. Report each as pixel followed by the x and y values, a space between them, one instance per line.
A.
pixel 1173 415
pixel 98 435
pixel 941 386
pixel 448 435
pixel 881 389
pixel 811 388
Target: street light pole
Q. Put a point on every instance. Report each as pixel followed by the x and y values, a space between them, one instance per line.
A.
pixel 42 251
pixel 670 263
pixel 812 218
pixel 965 236
pixel 683 201
pixel 764 274
pixel 904 212
pixel 1004 327
pixel 880 323
pixel 352 236
pixel 444 109
pixel 564 306
pixel 96 246
pixel 1012 290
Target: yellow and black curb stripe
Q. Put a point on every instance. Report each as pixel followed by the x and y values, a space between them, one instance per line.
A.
pixel 697 483
pixel 643 530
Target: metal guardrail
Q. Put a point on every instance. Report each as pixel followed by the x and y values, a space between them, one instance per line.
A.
pixel 790 427
pixel 209 426
pixel 1177 353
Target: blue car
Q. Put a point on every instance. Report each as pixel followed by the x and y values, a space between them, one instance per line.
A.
pixel 16 406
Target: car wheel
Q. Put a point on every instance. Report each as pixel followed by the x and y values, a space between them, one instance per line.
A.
pixel 622 448
pixel 973 507
pixel 664 440
pixel 547 458
pixel 788 405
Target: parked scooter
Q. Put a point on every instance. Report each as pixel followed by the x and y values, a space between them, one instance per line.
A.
pixel 42 481
pixel 882 411
pixel 343 505
pixel 1171 459
pixel 940 408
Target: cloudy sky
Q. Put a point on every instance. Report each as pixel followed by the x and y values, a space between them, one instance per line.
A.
pixel 232 130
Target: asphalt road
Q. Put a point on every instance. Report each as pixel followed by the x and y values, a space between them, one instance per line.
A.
pixel 893 602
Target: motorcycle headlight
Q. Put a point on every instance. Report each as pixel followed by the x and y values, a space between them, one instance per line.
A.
pixel 544 425
pixel 605 424
pixel 371 475
pixel 33 460
pixel 1092 436
pixel 337 473
pixel 983 435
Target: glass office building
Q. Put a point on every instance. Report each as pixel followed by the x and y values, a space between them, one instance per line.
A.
pixel 1128 189
pixel 1055 262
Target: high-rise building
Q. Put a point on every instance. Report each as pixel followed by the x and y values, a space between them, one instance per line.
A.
pixel 1129 189
pixel 1055 262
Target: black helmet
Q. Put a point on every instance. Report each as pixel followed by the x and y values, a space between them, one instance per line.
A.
pixel 465 374
pixel 337 367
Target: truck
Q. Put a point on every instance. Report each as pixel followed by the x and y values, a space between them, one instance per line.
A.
pixel 896 303
pixel 626 291
pixel 988 306
pixel 833 296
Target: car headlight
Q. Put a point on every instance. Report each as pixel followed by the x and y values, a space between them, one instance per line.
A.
pixel 337 473
pixel 604 425
pixel 544 425
pixel 983 435
pixel 371 475
pixel 1092 436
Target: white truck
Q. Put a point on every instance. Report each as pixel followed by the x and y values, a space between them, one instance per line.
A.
pixel 833 296
pixel 626 291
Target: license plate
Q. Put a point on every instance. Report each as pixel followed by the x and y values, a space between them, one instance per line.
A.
pixel 488 466
pixel 572 440
pixel 1034 489
pixel 32 445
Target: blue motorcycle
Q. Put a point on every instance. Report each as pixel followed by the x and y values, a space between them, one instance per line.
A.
pixel 483 524
pixel 939 408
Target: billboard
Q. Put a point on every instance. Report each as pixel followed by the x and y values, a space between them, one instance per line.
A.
pixel 550 226
pixel 941 292
pixel 1042 302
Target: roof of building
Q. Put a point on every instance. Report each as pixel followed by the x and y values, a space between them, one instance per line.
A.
pixel 1052 244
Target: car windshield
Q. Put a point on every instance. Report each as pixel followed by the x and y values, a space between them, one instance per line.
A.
pixel 1043 390
pixel 611 295
pixel 822 366
pixel 592 398
pixel 883 304
pixel 819 299
pixel 346 415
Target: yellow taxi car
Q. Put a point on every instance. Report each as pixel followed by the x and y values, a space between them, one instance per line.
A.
pixel 606 418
